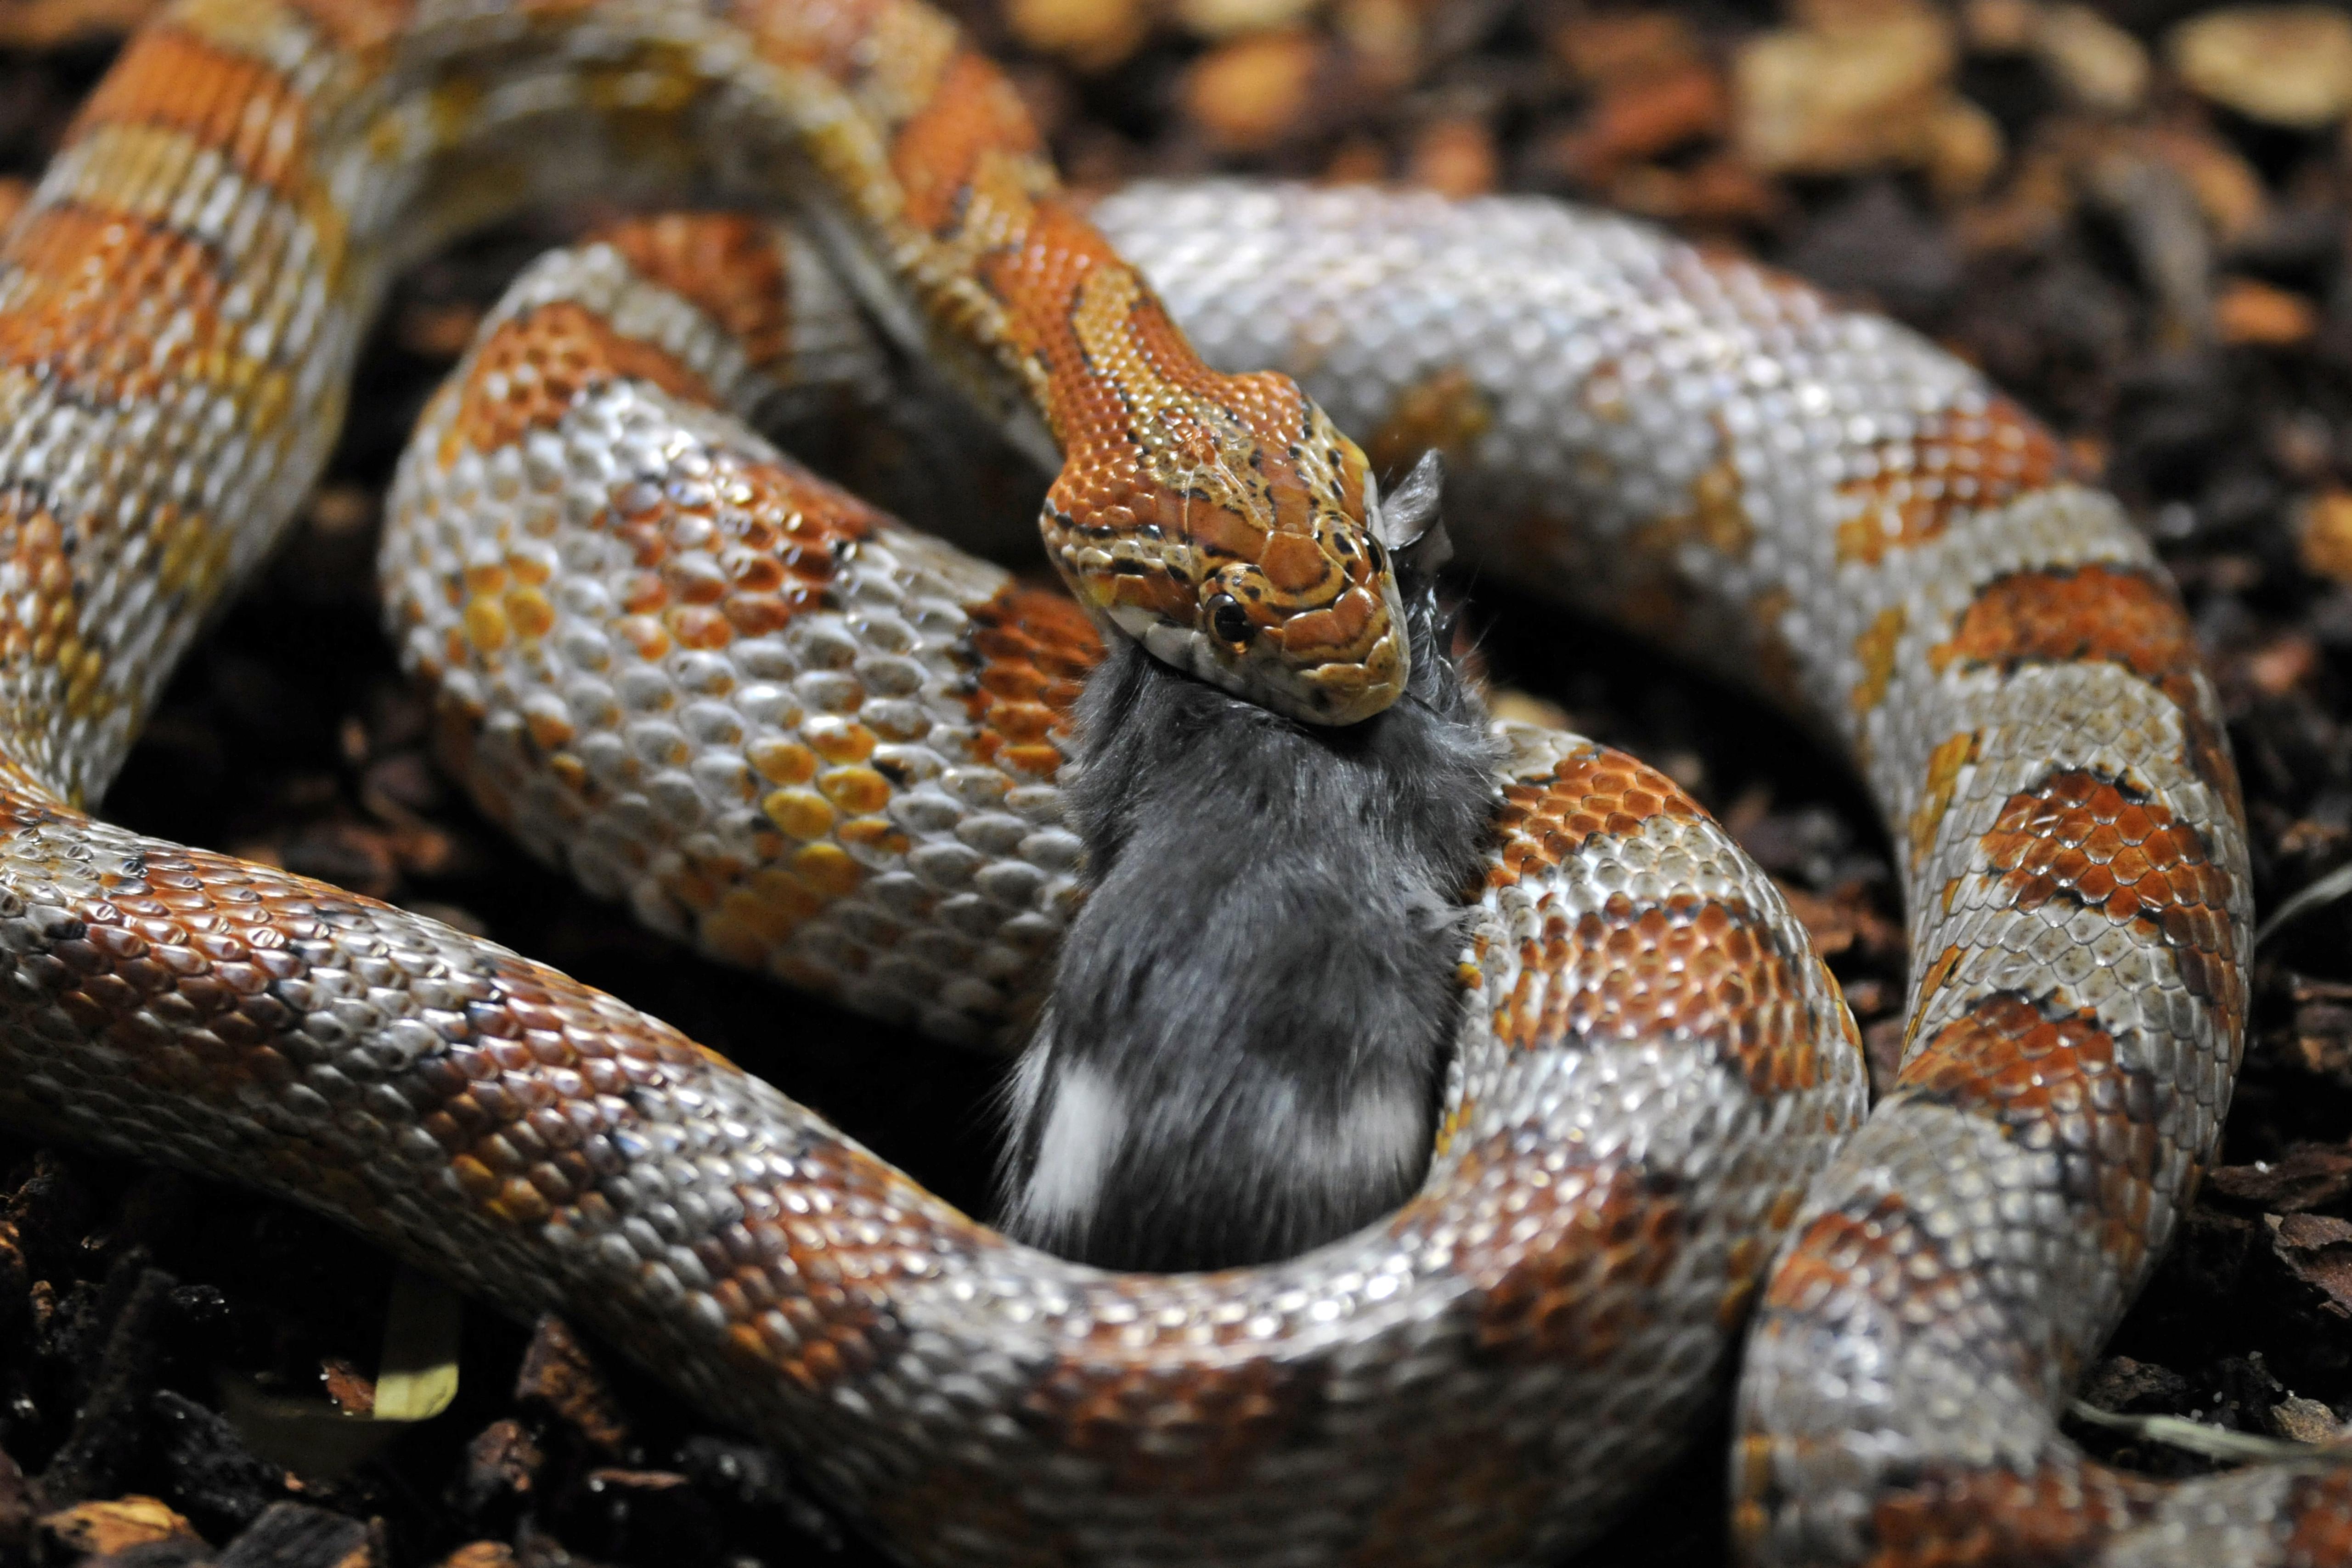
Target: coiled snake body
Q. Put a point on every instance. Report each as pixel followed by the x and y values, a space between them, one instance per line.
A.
pixel 819 742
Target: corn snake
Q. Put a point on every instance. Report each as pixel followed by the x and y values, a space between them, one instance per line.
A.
pixel 1883 540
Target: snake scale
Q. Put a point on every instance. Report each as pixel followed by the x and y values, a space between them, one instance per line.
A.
pixel 818 742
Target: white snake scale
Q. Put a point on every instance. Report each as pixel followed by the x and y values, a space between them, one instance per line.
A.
pixel 819 742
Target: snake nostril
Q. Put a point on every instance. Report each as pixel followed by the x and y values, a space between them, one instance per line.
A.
pixel 1229 620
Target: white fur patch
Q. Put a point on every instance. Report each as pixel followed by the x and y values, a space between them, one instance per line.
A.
pixel 1383 1133
pixel 1082 1131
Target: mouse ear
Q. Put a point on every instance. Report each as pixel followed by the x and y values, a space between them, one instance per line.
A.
pixel 1408 521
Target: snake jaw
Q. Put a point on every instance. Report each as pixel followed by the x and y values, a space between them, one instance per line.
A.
pixel 1326 693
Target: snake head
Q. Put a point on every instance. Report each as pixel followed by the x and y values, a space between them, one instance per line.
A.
pixel 1244 543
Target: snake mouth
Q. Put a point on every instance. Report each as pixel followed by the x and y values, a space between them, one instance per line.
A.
pixel 1336 691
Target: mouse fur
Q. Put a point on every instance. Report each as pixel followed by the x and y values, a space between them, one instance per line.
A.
pixel 1247 1037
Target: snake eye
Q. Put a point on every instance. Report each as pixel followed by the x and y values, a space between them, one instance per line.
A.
pixel 1229 620
pixel 1378 557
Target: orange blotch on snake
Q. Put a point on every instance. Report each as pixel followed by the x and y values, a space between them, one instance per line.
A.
pixel 2078 614
pixel 875 834
pixel 1023 723
pixel 537 365
pixel 696 627
pixel 1955 462
pixel 837 739
pixel 730 267
pixel 753 570
pixel 858 790
pixel 227 102
pixel 972 112
pixel 1874 649
pixel 1593 791
pixel 1945 765
pixel 1031 760
pixel 529 613
pixel 802 813
pixel 1708 973
pixel 485 625
pixel 1209 1421
pixel 120 309
pixel 1715 520
pixel 1943 1517
pixel 756 615
pixel 1220 531
pixel 695 578
pixel 781 762
pixel 643 592
pixel 827 869
pixel 2081 840
pixel 1028 652
pixel 644 633
pixel 1826 1256
pixel 1584 1256
pixel 2010 1060
pixel 2321 1507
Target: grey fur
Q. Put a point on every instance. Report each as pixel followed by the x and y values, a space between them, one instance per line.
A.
pixel 1409 521
pixel 1247 1037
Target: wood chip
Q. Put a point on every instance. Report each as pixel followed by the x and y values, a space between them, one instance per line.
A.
pixel 1882 1052
pixel 2317 1250
pixel 559 1376
pixel 2101 67
pixel 2282 664
pixel 34 24
pixel 96 1529
pixel 1255 92
pixel 1092 35
pixel 2246 311
pixel 1614 48
pixel 1964 149
pixel 2307 1178
pixel 2324 535
pixel 1384 39
pixel 2000 26
pixel 1229 18
pixel 1836 99
pixel 293 1535
pixel 503 1458
pixel 1643 119
pixel 1455 157
pixel 2284 65
pixel 2228 190
pixel 2304 1420
pixel 1831 925
pixel 352 1390
pixel 480 1554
